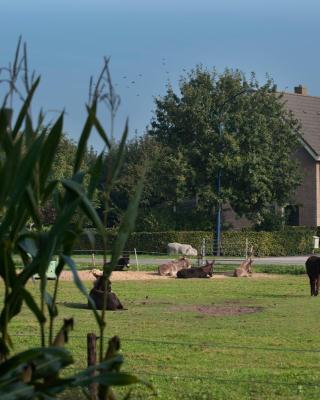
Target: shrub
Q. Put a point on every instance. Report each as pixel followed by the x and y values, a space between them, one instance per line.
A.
pixel 287 242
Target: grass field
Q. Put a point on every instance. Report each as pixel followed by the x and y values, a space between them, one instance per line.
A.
pixel 189 338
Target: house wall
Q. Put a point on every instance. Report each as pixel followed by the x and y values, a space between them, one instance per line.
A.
pixel 307 195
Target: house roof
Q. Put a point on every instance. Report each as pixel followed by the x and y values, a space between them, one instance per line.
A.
pixel 307 110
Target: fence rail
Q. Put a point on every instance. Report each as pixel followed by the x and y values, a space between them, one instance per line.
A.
pixel 220 346
pixel 205 248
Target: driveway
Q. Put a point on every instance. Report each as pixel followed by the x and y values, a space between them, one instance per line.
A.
pixel 297 260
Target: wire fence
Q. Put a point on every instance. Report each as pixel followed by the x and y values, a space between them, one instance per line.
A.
pixel 219 380
pixel 205 248
pixel 176 375
pixel 198 344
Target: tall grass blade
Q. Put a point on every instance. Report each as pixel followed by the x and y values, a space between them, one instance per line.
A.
pixel 25 109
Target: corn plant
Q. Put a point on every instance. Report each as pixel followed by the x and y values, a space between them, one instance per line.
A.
pixel 27 152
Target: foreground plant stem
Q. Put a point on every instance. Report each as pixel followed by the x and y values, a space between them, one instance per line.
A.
pixel 53 316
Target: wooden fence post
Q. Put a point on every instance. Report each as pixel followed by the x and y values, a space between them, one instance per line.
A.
pixel 136 256
pixel 92 360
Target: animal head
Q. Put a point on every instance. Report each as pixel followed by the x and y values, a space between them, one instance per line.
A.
pixel 184 261
pixel 100 283
pixel 208 268
pixel 97 273
pixel 124 261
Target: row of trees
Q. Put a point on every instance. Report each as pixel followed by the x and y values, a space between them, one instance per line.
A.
pixel 185 150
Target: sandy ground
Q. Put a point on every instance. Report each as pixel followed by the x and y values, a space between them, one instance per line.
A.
pixel 149 275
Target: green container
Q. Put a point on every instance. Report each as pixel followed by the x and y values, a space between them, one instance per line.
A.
pixel 51 274
pixel 51 271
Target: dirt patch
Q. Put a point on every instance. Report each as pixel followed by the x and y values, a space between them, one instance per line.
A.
pixel 116 276
pixel 86 275
pixel 220 310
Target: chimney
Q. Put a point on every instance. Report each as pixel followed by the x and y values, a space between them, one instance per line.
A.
pixel 301 90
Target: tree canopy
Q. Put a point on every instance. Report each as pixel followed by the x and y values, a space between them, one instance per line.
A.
pixel 254 153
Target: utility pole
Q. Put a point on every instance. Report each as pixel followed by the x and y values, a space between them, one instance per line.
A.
pixel 222 111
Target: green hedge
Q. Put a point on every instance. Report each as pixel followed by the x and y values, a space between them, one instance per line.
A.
pixel 288 242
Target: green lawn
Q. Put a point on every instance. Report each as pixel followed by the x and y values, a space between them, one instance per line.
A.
pixel 270 354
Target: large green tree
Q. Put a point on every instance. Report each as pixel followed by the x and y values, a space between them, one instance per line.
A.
pixel 165 183
pixel 224 122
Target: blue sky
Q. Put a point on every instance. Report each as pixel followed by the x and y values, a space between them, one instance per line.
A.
pixel 67 40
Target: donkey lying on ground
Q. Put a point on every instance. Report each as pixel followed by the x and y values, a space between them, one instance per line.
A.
pixel 244 270
pixel 98 290
pixel 123 262
pixel 171 268
pixel 313 271
pixel 197 272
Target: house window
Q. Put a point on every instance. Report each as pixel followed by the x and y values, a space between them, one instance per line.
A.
pixel 291 213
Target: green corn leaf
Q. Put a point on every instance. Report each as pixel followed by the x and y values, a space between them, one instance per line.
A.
pixel 5 137
pixel 119 157
pixel 17 391
pixel 127 225
pixel 95 175
pixel 12 164
pixel 59 267
pixel 98 127
pixel 108 379
pixel 28 244
pixel 68 260
pixel 107 375
pixel 24 177
pixel 7 269
pixel 82 145
pixel 33 305
pixel 12 307
pixel 86 205
pixel 62 222
pixel 52 308
pixel 29 134
pixel 25 108
pixel 49 150
pixel 46 360
pixel 48 190
pixel 32 205
pixel 91 237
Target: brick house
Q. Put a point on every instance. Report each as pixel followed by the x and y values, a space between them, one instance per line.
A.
pixel 307 197
pixel 305 208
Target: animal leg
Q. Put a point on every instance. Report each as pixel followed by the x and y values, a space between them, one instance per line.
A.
pixel 311 285
pixel 316 286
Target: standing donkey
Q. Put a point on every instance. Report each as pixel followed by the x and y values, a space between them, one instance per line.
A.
pixel 313 271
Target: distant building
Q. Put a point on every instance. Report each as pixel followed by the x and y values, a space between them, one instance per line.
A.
pixel 305 208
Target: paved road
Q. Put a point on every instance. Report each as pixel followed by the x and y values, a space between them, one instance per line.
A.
pixel 297 260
